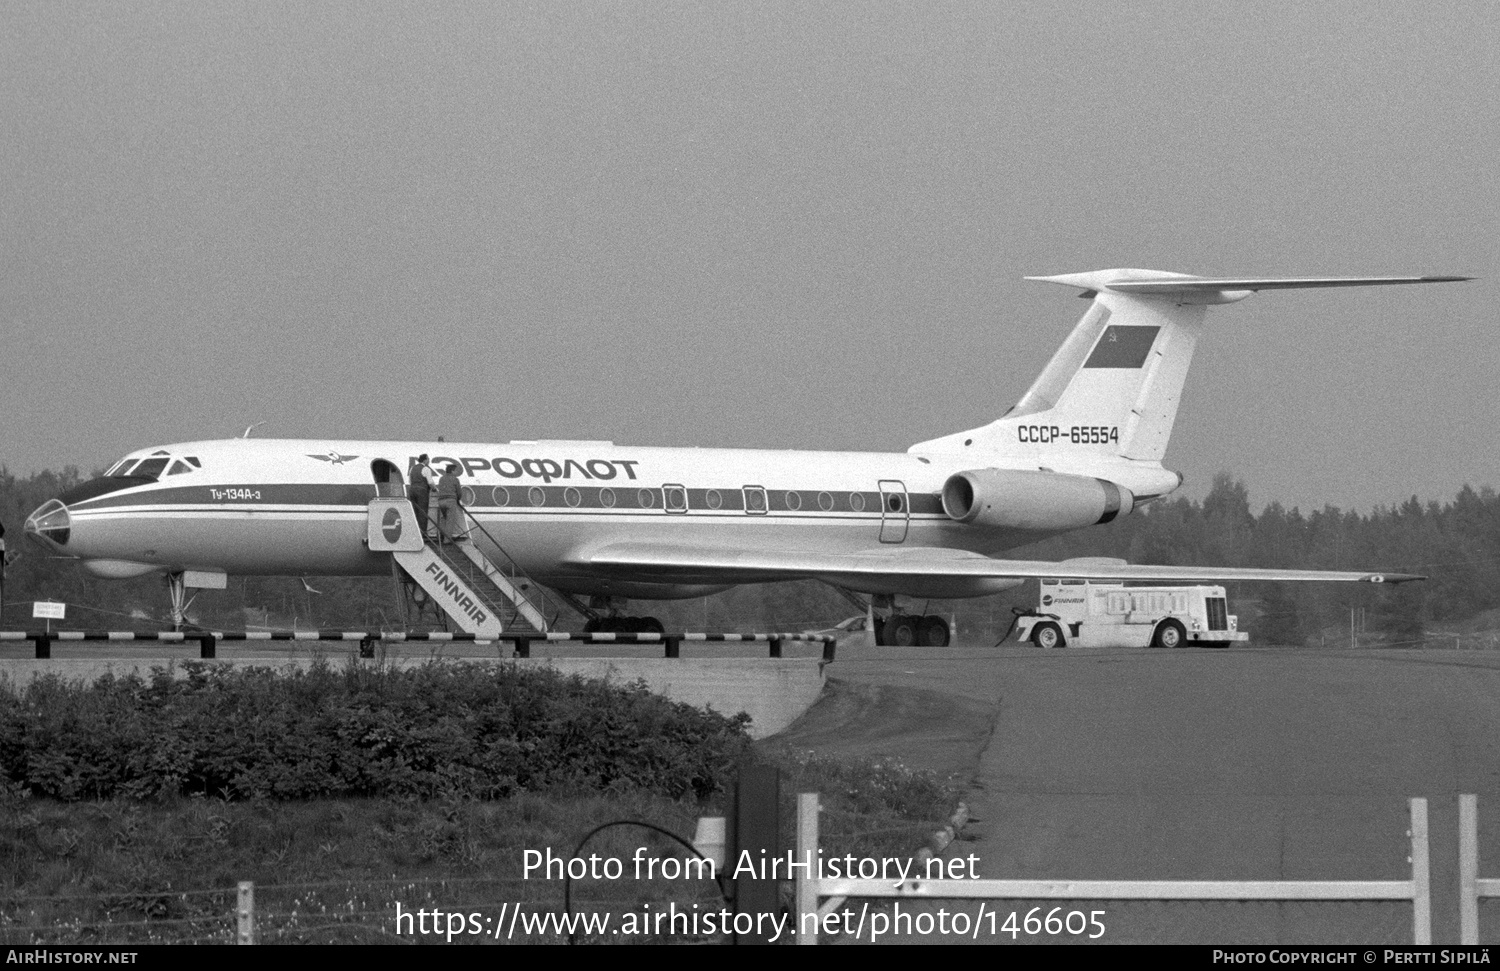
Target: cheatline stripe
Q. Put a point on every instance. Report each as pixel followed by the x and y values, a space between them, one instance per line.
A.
pixel 396 636
pixel 544 514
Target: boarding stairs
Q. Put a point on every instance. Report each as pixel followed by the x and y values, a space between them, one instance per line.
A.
pixel 455 576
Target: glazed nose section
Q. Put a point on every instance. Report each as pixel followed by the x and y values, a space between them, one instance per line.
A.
pixel 50 524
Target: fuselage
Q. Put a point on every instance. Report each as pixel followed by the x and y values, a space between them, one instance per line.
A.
pixel 299 507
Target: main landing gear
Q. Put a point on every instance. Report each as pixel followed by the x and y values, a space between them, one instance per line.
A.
pixel 896 629
pixel 604 617
pixel 907 630
pixel 623 625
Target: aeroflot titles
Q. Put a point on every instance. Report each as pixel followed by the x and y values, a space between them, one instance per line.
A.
pixel 544 469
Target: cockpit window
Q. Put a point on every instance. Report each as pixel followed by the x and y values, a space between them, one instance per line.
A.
pixel 194 462
pixel 118 469
pixel 150 468
pixel 179 467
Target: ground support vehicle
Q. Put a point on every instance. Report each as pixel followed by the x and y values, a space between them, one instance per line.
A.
pixel 1077 613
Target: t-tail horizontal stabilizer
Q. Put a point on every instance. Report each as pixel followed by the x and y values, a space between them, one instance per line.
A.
pixel 1111 390
pixel 1155 283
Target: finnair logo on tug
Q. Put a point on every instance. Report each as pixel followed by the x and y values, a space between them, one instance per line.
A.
pixel 460 599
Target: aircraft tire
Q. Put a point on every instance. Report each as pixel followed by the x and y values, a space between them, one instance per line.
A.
pixel 1169 633
pixel 900 630
pixel 933 632
pixel 1048 636
pixel 649 625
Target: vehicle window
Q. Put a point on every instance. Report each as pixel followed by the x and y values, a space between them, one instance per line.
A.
pixel 179 467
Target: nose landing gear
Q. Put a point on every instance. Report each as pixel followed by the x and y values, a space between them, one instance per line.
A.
pixel 177 590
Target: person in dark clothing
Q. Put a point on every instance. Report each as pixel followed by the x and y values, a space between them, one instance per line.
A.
pixel 420 493
pixel 450 518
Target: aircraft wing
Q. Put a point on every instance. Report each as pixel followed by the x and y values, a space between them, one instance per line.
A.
pixel 920 565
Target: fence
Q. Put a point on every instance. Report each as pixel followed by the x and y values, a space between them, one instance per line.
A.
pixel 208 641
pixel 462 910
pixel 1471 887
pixel 817 898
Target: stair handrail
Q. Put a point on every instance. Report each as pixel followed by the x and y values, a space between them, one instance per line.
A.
pixel 515 568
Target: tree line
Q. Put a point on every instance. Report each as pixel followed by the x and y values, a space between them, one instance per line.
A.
pixel 1455 544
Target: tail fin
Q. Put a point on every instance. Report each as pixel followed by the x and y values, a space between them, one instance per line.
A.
pixel 1113 387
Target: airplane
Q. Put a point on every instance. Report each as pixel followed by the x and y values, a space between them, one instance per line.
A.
pixel 601 524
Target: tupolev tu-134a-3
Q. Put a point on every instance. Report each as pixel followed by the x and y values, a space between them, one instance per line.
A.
pixel 601 524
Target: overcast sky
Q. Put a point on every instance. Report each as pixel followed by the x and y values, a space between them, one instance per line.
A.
pixel 743 224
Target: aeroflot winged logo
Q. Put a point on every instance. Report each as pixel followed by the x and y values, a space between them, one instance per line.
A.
pixel 334 458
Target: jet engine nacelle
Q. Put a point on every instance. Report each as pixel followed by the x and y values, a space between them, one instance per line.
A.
pixel 1038 501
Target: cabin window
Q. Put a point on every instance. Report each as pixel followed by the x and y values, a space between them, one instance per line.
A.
pixel 857 501
pixel 793 501
pixel 572 497
pixel 500 495
pixel 607 498
pixel 714 499
pixel 647 499
pixel 537 496
pixel 825 501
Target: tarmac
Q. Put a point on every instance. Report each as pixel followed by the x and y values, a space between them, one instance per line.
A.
pixel 1244 763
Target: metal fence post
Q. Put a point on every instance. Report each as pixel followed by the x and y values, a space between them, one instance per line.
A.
pixel 1468 869
pixel 246 913
pixel 776 647
pixel 43 646
pixel 523 647
pixel 805 886
pixel 673 646
pixel 1421 875
pixel 207 646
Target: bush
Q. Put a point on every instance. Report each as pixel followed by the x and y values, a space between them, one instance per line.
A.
pixel 438 730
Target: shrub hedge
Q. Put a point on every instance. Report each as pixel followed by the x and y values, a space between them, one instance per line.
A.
pixel 479 731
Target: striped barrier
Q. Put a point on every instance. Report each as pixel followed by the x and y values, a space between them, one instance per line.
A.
pixel 367 639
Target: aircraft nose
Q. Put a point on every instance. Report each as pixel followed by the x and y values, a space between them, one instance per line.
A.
pixel 50 524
